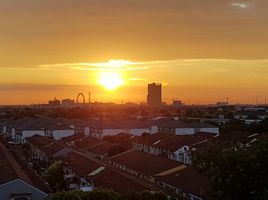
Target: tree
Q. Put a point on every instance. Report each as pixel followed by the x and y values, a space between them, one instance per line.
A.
pixel 55 176
pixel 239 172
pixel 69 195
pixel 105 194
pixel 145 196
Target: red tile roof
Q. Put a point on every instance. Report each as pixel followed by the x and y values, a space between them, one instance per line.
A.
pixel 150 139
pixel 189 181
pixel 87 142
pixel 45 144
pixel 178 141
pixel 171 142
pixel 119 183
pixel 73 138
pixel 144 163
pixel 81 165
pixel 101 149
pixel 12 169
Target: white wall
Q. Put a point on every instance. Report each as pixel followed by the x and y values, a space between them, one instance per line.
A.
pixel 154 129
pixel 190 131
pixel 31 133
pixel 58 134
pixel 137 132
pixel 87 131
pixel 185 131
pixel 182 155
pixel 211 130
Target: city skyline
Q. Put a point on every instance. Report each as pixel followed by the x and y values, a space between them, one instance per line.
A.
pixel 222 82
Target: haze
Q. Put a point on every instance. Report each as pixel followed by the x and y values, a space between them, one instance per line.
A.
pixel 202 51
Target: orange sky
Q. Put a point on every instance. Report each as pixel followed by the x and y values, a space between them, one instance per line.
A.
pixel 202 51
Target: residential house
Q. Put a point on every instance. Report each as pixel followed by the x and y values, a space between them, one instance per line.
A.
pixel 17 182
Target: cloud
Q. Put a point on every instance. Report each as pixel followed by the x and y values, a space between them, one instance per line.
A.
pixel 138 79
pixel 219 65
pixel 120 65
pixel 242 5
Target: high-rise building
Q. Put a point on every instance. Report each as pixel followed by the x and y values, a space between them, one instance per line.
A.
pixel 154 97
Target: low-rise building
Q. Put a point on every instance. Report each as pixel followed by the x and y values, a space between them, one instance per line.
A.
pixel 175 147
pixel 17 182
pixel 182 128
pixel 43 149
pixel 78 169
pixel 101 128
pixel 166 173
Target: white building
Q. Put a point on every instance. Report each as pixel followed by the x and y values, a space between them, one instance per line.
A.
pixel 181 128
pixel 101 128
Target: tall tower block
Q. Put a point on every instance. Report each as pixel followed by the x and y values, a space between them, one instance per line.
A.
pixel 154 96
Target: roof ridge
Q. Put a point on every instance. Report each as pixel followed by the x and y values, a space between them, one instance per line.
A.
pixel 122 153
pixel 20 173
pixel 104 142
pixel 167 138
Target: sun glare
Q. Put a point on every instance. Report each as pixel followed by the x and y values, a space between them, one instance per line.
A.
pixel 110 80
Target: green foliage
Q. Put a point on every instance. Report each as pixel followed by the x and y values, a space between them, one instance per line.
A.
pixel 102 194
pixel 145 196
pixel 70 195
pixel 105 194
pixel 239 172
pixel 236 125
pixel 55 176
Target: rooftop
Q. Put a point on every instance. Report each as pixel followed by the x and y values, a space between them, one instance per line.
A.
pixel 82 165
pixel 46 144
pixel 188 180
pixel 144 163
pixel 11 169
pixel 114 180
pixel 87 142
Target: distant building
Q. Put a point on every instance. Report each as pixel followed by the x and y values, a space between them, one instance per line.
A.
pixel 177 103
pixel 67 102
pixel 222 104
pixel 54 102
pixel 154 97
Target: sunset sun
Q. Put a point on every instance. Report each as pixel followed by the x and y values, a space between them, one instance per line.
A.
pixel 110 80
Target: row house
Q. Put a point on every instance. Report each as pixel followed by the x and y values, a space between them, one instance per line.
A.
pixel 43 149
pixel 101 128
pixel 78 169
pixel 175 147
pixel 18 181
pixel 177 127
pixel 80 172
pixel 161 171
pixel 20 129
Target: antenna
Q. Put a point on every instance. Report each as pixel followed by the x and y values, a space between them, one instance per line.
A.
pixel 89 97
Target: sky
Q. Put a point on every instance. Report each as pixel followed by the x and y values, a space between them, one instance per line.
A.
pixel 201 51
